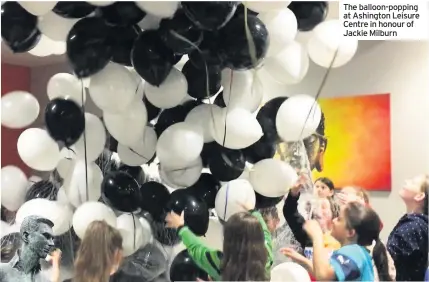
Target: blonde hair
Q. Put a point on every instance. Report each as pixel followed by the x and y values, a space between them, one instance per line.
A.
pixel 360 192
pixel 98 253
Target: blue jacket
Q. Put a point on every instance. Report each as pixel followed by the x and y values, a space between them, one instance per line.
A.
pixel 408 246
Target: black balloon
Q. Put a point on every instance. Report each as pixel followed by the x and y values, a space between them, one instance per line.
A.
pixel 235 42
pixel 266 202
pixel 195 211
pixel 151 59
pixel 135 172
pixel 89 48
pixel 183 268
pixel 18 27
pixel 122 13
pixel 202 83
pixel 123 38
pixel 174 115
pixel 121 191
pixel 154 198
pixel 267 118
pixel 209 53
pixel 226 164
pixel 179 34
pixel 260 150
pixel 73 9
pixel 206 189
pixel 43 189
pixel 309 13
pixel 211 15
pixel 219 101
pixel 65 121
pixel 152 111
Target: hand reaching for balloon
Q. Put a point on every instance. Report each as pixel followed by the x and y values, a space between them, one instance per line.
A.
pixel 302 180
pixel 344 199
pixel 313 229
pixel 174 220
pixel 294 255
pixel 55 259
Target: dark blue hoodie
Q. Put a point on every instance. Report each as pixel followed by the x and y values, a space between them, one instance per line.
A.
pixel 408 246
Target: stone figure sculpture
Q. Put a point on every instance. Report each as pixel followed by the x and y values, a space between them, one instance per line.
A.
pixel 37 243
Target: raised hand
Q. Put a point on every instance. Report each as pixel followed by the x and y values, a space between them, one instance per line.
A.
pixel 174 220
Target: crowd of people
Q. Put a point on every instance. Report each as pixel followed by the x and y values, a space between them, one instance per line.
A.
pixel 339 241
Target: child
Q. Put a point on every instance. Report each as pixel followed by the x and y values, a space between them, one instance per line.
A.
pixel 324 187
pixel 408 242
pixel 271 218
pixel 247 248
pixel 356 228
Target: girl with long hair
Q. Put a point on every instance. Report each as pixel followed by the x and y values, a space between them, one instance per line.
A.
pixel 99 254
pixel 247 248
pixel 356 228
pixel 408 241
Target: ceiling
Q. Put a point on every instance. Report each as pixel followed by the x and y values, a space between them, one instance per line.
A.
pixel 26 59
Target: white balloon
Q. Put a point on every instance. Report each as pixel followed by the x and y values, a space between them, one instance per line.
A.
pixel 182 177
pixel 37 149
pixel 38 8
pixel 67 86
pixel 95 135
pixel 89 212
pixel 147 229
pixel 200 117
pixel 101 3
pixel 242 89
pixel 149 22
pixel 62 196
pixel 132 233
pixel 142 151
pixel 56 212
pixel 241 129
pixel 327 38
pixel 139 84
pixel 170 93
pixel 272 178
pixel 14 185
pixel 76 187
pixel 66 164
pixel 266 6
pixel 289 272
pixel 282 27
pixel 298 117
pixel 19 109
pixel 179 145
pixel 113 89
pixel 289 66
pixel 232 196
pixel 127 127
pixel 46 47
pixel 162 9
pixel 55 27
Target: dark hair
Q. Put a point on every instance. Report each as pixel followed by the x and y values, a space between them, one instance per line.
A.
pixel 335 207
pixel 328 182
pixel 366 223
pixel 244 253
pixel 10 243
pixel 269 212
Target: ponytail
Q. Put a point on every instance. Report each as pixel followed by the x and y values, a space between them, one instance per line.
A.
pixel 381 261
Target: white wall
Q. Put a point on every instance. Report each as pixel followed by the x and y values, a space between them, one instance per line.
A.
pixel 400 68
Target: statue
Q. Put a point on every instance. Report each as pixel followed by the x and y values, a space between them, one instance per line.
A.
pixel 37 242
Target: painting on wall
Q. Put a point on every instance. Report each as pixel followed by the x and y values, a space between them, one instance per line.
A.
pixel 352 146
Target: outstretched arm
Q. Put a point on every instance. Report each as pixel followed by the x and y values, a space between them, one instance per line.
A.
pixel 267 237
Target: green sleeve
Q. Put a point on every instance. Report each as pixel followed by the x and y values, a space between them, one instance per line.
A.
pixel 207 259
pixel 268 239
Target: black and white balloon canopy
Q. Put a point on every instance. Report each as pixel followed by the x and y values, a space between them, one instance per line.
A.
pixel 182 88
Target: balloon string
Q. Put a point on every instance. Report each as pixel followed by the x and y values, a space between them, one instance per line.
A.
pixel 84 143
pixel 319 91
pixel 134 223
pixel 227 107
pixel 226 201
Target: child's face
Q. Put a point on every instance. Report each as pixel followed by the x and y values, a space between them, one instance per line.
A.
pixel 339 227
pixel 410 192
pixel 272 223
pixel 322 190
pixel 322 213
pixel 349 194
